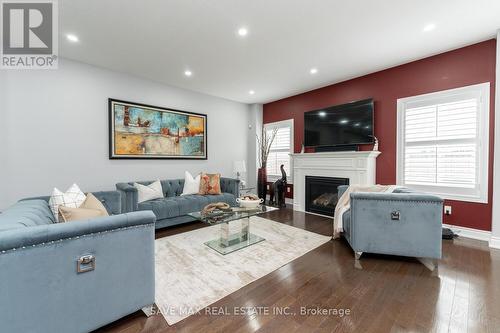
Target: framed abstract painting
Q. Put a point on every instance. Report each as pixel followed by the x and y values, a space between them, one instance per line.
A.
pixel 139 131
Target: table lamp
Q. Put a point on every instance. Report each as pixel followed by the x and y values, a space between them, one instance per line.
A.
pixel 239 167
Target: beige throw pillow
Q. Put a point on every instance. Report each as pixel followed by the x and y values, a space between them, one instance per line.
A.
pixel 90 208
pixel 68 214
pixel 93 203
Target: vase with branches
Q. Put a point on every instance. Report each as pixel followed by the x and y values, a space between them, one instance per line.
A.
pixel 264 142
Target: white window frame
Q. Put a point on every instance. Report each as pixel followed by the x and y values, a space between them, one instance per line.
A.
pixel 481 90
pixel 278 124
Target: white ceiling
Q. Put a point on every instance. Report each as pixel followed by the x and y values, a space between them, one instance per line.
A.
pixel 160 39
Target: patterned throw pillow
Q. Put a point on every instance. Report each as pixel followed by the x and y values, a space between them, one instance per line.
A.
pixel 73 197
pixel 210 184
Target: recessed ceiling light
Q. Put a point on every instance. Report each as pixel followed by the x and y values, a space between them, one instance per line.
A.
pixel 429 27
pixel 188 73
pixel 72 38
pixel 242 32
pixel 251 92
pixel 322 113
pixel 313 70
pixel 344 121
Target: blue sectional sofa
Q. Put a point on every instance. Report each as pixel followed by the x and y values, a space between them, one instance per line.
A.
pixel 40 286
pixel 404 223
pixel 173 208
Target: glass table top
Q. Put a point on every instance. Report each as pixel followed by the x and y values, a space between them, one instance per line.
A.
pixel 236 213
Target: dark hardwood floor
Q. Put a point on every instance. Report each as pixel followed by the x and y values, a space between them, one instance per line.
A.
pixel 386 294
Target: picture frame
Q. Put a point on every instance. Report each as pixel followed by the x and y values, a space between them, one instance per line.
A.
pixel 142 131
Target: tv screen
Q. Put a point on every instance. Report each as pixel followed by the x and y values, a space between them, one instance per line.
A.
pixel 347 124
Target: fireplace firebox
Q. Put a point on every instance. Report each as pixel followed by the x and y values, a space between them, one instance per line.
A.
pixel 321 194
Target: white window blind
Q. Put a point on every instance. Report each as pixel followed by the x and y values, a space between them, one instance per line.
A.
pixel 443 142
pixel 281 147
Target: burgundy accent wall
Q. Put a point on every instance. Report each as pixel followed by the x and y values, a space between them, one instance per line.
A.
pixel 462 67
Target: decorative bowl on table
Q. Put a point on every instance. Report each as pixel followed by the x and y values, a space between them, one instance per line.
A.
pixel 249 201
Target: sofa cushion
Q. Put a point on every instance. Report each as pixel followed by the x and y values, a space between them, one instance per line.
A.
pixel 163 208
pixel 172 187
pixel 190 203
pixel 26 214
pixel 181 205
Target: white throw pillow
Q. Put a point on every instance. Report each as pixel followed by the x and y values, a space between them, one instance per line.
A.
pixel 73 197
pixel 149 192
pixel 191 185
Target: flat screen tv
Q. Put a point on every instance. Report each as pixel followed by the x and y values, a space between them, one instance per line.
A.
pixel 347 124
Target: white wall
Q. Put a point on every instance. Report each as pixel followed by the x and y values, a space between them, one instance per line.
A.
pixel 56 122
pixel 3 139
pixel 254 128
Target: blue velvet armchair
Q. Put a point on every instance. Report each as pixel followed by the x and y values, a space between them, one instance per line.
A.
pixel 403 223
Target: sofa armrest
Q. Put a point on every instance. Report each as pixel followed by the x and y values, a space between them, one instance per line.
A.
pixel 341 189
pixel 129 197
pixel 41 234
pixel 230 185
pixel 397 223
pixel 112 200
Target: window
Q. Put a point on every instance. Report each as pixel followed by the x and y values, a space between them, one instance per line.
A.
pixel 443 143
pixel 281 149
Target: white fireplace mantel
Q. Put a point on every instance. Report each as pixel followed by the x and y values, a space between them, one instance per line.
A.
pixel 358 166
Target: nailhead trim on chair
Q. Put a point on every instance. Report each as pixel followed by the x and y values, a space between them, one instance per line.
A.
pixel 401 200
pixel 76 237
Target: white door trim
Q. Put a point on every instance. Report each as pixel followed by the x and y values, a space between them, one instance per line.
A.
pixel 495 216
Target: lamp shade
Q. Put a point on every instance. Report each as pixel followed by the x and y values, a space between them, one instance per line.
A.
pixel 239 166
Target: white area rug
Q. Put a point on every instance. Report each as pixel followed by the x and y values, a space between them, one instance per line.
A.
pixel 190 275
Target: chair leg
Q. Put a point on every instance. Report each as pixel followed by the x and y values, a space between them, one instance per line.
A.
pixel 150 310
pixel 431 264
pixel 357 255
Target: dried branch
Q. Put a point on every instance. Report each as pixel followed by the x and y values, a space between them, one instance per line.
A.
pixel 265 142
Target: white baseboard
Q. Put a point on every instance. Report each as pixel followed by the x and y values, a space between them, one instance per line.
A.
pixel 470 233
pixel 495 242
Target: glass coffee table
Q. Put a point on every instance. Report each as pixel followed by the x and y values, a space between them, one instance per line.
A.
pixel 229 242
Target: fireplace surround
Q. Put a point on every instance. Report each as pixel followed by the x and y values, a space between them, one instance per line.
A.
pixel 356 166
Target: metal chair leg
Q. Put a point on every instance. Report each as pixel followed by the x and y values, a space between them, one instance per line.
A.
pixel 431 264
